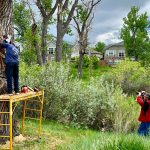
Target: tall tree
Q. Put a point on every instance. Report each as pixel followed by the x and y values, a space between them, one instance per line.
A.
pixel 47 11
pixel 5 28
pixel 6 17
pixel 21 23
pixel 134 33
pixel 64 16
pixel 83 19
pixel 99 47
pixel 34 36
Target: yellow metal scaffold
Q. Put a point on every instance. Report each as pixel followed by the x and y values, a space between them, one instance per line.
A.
pixel 22 97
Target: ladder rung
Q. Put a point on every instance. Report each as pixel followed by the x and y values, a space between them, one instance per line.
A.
pixel 32 118
pixel 4 148
pixel 32 109
pixel 4 136
pixel 4 112
pixel 4 100
pixel 4 124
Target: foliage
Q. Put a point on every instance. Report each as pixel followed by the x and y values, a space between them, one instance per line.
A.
pixel 66 50
pixel 87 61
pixel 131 76
pixel 28 54
pixel 100 47
pixel 21 18
pixel 94 61
pixel 63 137
pixel 47 4
pixel 96 104
pixel 135 35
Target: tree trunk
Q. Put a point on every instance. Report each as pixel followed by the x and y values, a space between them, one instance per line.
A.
pixel 80 63
pixel 5 29
pixel 6 17
pixel 59 42
pixel 36 45
pixel 44 41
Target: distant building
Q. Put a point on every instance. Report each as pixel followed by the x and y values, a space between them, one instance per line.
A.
pixel 51 48
pixel 114 53
pixel 89 51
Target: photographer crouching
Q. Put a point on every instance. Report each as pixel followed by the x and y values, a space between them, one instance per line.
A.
pixel 143 99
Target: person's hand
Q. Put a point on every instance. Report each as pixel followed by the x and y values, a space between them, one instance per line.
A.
pixel 139 93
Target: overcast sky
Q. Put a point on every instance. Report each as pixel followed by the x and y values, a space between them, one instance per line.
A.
pixel 108 20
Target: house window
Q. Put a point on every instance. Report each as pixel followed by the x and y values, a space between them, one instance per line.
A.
pixel 110 54
pixel 121 54
pixel 51 50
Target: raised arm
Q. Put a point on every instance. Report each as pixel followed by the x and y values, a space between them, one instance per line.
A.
pixel 140 101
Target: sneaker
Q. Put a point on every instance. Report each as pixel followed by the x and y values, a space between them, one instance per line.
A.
pixel 17 93
pixel 10 94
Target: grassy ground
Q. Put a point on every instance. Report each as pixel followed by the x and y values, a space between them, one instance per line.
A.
pixel 60 137
pixel 90 72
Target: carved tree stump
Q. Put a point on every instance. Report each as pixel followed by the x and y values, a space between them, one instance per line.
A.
pixel 4 118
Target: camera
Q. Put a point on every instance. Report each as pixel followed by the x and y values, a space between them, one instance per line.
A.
pixel 143 93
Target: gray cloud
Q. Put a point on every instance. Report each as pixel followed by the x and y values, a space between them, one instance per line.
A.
pixel 109 15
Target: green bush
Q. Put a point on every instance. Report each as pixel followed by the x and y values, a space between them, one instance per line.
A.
pixel 88 61
pixel 97 104
pixel 131 76
pixel 95 61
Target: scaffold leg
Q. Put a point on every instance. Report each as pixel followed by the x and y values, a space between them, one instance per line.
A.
pixel 23 117
pixel 10 117
pixel 41 110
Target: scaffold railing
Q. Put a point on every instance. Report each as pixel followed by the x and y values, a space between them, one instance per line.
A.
pixel 39 96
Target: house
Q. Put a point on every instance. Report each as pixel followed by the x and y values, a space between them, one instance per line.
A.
pixel 89 51
pixel 114 53
pixel 51 47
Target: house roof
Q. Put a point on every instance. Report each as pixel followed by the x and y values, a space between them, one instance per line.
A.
pixel 93 51
pixel 116 44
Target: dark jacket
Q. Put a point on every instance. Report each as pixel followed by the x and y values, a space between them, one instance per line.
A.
pixel 11 53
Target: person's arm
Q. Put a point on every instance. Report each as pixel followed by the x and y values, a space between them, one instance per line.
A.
pixel 140 101
pixel 2 44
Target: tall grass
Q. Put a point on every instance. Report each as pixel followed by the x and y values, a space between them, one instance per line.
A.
pixel 56 136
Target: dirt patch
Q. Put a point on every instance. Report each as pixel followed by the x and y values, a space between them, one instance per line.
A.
pixel 19 139
pixel 54 142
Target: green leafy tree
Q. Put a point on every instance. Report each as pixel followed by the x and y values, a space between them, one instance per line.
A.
pixel 134 34
pixel 83 17
pixel 47 11
pixel 66 52
pixel 100 47
pixel 65 14
pixel 21 18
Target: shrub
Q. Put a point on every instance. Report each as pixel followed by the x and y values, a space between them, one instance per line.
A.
pixel 131 76
pixel 88 61
pixel 98 103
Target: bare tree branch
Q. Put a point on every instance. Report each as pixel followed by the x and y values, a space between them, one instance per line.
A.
pixel 70 14
pixel 53 9
pixel 65 5
pixel 41 8
pixel 77 24
pixel 89 12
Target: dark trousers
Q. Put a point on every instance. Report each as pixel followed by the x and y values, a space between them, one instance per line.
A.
pixel 144 129
pixel 12 75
